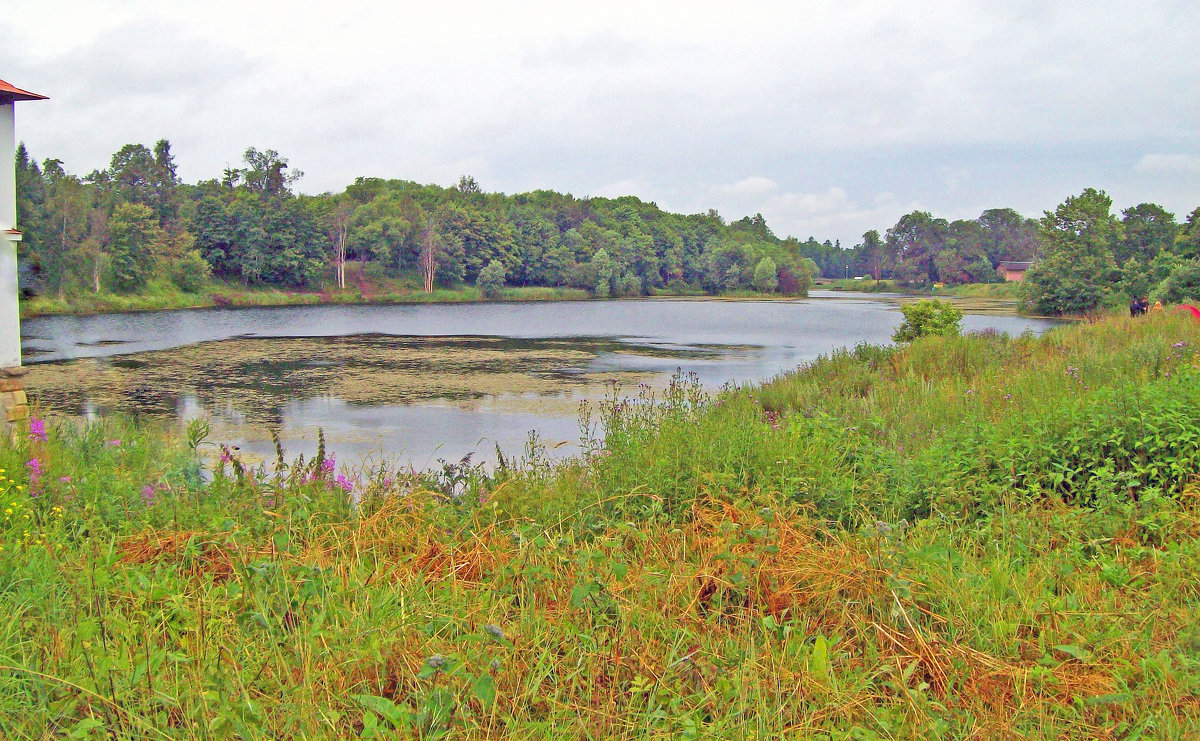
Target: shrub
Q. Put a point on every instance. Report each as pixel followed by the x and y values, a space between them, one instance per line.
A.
pixel 766 278
pixel 1182 283
pixel 491 279
pixel 928 317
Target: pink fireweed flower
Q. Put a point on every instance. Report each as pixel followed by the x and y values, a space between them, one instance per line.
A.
pixel 37 429
pixel 345 483
pixel 328 465
pixel 148 492
pixel 113 443
pixel 35 470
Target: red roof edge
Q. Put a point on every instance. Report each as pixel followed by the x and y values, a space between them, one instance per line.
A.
pixel 10 92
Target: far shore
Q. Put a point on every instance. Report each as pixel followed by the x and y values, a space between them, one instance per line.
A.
pixel 996 295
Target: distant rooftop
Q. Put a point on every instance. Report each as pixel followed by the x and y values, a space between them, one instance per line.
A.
pixel 9 93
pixel 1011 265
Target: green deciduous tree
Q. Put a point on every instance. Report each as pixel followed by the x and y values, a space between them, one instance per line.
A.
pixel 1077 269
pixel 605 271
pixel 912 245
pixel 766 276
pixel 134 238
pixel 491 279
pixel 1187 241
pixel 1147 229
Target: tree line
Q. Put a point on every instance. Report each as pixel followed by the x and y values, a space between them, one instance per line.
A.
pixel 1093 258
pixel 123 228
pixel 135 222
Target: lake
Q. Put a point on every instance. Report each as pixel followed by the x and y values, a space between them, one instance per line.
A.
pixel 419 383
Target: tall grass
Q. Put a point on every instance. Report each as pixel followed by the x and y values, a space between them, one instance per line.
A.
pixel 977 536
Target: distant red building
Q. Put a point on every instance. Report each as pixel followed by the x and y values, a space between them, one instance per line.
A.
pixel 1013 272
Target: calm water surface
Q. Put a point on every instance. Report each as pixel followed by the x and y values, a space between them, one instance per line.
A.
pixel 422 383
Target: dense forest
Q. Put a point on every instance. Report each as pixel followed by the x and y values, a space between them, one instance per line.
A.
pixel 135 223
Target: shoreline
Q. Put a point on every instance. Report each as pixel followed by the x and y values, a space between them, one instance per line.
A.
pixel 114 304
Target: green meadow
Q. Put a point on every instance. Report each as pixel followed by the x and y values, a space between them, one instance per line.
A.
pixel 976 536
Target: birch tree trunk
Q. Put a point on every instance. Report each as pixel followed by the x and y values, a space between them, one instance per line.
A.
pixel 428 261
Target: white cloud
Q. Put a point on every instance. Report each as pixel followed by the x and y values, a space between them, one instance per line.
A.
pixel 948 104
pixel 832 212
pixel 1167 163
pixel 755 186
pixel 622 188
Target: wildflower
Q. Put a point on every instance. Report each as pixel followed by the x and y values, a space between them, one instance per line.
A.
pixel 494 631
pixel 344 482
pixel 226 456
pixel 65 479
pixel 37 429
pixel 35 470
pixel 436 662
pixel 328 465
pixel 113 443
pixel 148 492
pixel 1181 343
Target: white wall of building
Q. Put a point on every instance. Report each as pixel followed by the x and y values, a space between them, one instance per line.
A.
pixel 10 316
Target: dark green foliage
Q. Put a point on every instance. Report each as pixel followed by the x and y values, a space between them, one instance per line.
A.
pixel 135 237
pixel 1187 241
pixel 1126 442
pixel 1147 230
pixel 1078 266
pixel 1182 283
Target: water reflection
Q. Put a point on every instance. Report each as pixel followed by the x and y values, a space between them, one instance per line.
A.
pixel 428 382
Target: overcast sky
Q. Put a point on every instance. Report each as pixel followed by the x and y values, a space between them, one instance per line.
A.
pixel 830 118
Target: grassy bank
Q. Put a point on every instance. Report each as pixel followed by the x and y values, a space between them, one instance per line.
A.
pixel 162 295
pixel 965 290
pixel 982 536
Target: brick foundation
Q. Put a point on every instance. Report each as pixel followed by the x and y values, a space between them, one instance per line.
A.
pixel 14 405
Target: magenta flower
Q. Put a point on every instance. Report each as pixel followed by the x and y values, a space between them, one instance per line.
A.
pixel 37 429
pixel 113 443
pixel 328 465
pixel 35 470
pixel 344 482
pixel 148 492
